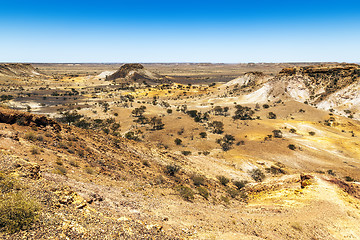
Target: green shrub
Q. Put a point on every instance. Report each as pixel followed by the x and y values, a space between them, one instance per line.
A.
pixel 30 136
pixel 59 162
pixel 131 136
pixel 17 211
pixel 203 192
pixel 203 134
pixel 7 183
pixel 89 170
pixel 178 141
pixel 60 170
pixel 349 179
pixel 198 180
pixel 186 153
pixel 233 192
pixel 172 169
pixel 240 184
pixel 257 175
pixel 292 130
pixel 73 163
pixel 291 146
pixel 186 193
pixel 206 153
pixel 223 180
pixel 311 133
pixel 35 150
pixel 225 199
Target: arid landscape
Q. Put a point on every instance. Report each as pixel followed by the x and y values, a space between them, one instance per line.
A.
pixel 180 151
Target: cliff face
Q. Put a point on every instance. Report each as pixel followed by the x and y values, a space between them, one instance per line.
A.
pixel 319 81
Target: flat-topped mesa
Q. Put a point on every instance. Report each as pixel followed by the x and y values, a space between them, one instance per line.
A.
pixel 125 70
pixel 136 73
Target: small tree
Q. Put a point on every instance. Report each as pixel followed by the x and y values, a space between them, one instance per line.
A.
pixel 156 123
pixel 226 142
pixel 218 127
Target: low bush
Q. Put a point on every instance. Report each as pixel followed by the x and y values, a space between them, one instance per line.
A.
pixel 60 170
pixel 203 192
pixel 186 193
pixel 291 147
pixel 257 175
pixel 198 180
pixel 223 180
pixel 186 153
pixel 240 184
pixel 172 169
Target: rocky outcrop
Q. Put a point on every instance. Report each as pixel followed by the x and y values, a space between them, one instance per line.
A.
pixel 25 119
pixel 317 82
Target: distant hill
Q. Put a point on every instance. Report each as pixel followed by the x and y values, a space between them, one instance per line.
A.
pixel 18 70
pixel 136 73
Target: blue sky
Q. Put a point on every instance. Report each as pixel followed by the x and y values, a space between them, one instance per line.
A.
pixel 179 31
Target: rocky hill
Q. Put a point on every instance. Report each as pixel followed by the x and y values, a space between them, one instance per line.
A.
pixel 18 70
pixel 136 73
pixel 332 87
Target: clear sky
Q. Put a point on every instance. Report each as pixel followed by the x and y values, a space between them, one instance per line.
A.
pixel 179 31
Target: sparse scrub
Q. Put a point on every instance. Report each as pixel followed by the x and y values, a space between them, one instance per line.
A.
pixel 172 169
pixel 186 193
pixel 30 136
pixel 277 133
pixel 233 192
pixel 292 147
pixel 89 170
pixel 349 179
pixel 198 180
pixel 203 192
pixel 240 184
pixel 35 150
pixel 59 162
pixel 60 170
pixel 17 211
pixel 257 175
pixel 225 200
pixel 206 153
pixel 131 136
pixel 292 130
pixel 223 180
pixel 178 141
pixel 73 163
pixel 186 153
pixel 271 115
pixel 203 134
